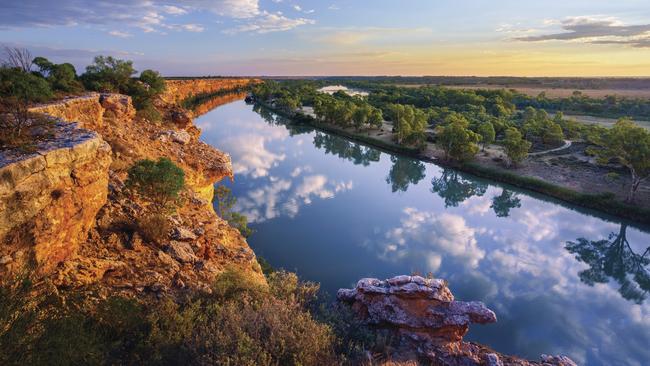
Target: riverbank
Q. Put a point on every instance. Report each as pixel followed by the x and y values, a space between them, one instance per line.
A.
pixel 561 177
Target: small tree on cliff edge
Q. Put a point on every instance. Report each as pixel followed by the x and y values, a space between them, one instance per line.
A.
pixel 159 181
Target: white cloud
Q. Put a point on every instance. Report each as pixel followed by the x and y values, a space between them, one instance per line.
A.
pixel 429 236
pixel 120 34
pixel 596 30
pixel 148 15
pixel 269 22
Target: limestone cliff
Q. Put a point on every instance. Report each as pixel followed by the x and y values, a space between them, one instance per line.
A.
pixel 66 213
pixel 49 199
pixel 179 90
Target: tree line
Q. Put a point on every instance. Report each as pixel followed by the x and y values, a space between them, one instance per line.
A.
pixel 462 122
pixel 25 80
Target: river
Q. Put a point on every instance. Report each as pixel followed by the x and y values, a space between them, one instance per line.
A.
pixel 561 280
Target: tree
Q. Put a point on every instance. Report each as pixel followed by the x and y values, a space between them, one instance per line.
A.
pixel 108 74
pixel 376 118
pixel 18 89
pixel 629 145
pixel 61 77
pixel 159 181
pixel 19 58
pixel 154 82
pixel 486 130
pixel 361 115
pixel 516 147
pixel 457 141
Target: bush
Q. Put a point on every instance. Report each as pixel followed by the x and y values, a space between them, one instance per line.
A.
pixel 154 228
pixel 108 74
pixel 19 89
pixel 242 323
pixel 149 112
pixel 159 181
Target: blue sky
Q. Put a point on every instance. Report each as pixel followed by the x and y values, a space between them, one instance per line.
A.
pixel 336 37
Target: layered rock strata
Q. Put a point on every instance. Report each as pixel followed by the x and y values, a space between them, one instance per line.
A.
pixel 428 323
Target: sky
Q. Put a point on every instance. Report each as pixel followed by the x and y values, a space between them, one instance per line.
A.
pixel 338 37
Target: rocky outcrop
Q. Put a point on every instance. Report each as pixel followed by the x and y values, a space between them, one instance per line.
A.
pixel 66 211
pixel 428 323
pixel 49 199
pixel 179 90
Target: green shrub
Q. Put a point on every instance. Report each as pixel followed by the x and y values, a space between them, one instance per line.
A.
pixel 241 323
pixel 108 74
pixel 159 181
pixel 18 90
pixel 149 112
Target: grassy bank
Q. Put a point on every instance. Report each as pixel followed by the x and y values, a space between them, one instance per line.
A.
pixel 603 202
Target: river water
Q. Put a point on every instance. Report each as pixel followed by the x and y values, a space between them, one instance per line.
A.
pixel 561 280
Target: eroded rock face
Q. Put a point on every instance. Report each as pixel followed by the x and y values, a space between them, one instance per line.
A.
pixel 179 90
pixel 422 306
pixel 49 199
pixel 428 323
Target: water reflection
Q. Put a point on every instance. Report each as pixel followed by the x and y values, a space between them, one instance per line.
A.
pixel 614 258
pixel 404 172
pixel 357 154
pixel 505 202
pixel 455 188
pixel 323 209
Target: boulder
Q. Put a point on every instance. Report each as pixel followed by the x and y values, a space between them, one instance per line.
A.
pixel 427 324
pixel 182 252
pixel 180 118
pixel 424 306
pixel 183 234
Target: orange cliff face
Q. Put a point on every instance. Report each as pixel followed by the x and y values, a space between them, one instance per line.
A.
pixel 89 234
pixel 179 90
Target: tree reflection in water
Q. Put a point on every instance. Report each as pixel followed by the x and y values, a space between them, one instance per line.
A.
pixel 404 172
pixel 614 258
pixel 454 188
pixel 504 203
pixel 357 154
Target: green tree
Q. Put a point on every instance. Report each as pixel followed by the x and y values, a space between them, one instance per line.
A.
pixel 486 130
pixel 629 145
pixel 361 115
pixel 18 89
pixel 457 141
pixel 376 118
pixel 154 81
pixel 108 74
pixel 160 181
pixel 61 77
pixel 516 147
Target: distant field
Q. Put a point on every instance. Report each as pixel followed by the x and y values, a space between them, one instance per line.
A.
pixel 607 122
pixel 556 92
